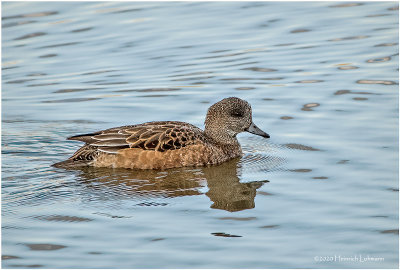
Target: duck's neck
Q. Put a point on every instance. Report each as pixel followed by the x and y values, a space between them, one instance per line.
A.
pixel 221 136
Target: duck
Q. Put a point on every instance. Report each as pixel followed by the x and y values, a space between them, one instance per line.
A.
pixel 160 145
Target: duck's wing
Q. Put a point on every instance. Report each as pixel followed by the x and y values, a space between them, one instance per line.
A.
pixel 151 136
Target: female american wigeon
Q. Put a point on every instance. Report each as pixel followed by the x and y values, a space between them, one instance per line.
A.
pixel 169 144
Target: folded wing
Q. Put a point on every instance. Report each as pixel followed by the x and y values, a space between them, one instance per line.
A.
pixel 152 136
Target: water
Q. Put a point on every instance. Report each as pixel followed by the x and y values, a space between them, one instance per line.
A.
pixel 322 78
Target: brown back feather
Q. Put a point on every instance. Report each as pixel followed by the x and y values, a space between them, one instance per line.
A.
pixel 151 136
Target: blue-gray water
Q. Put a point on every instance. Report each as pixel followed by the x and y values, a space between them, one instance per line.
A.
pixel 322 78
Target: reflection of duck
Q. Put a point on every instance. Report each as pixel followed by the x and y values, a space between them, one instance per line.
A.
pixel 225 190
pixel 169 144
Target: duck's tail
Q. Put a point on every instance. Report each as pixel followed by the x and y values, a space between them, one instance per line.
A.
pixel 70 164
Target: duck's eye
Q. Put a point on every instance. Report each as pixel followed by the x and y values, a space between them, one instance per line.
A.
pixel 237 114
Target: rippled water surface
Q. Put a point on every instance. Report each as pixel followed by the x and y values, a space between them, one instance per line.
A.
pixel 322 78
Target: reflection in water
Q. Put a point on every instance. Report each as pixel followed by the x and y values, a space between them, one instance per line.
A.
pixel 225 189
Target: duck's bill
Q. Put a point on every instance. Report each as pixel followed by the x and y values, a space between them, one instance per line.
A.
pixel 255 130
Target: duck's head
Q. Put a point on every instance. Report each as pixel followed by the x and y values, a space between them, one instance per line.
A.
pixel 229 117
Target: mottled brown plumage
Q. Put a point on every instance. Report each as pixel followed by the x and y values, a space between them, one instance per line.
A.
pixel 168 144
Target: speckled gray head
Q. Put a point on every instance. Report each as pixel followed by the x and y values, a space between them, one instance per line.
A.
pixel 229 117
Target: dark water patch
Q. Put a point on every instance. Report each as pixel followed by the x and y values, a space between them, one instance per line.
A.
pixel 128 44
pixel 42 84
pixel 98 72
pixel 19 81
pixel 245 88
pixel 349 38
pixel 32 35
pixel 393 189
pixel 95 253
pixel 220 51
pixel 82 30
pixel 344 161
pixel 309 106
pixel 299 31
pixel 306 47
pixel 6 25
pixel 394 231
pixel 309 81
pixel 376 15
pixel 27 266
pixel 6 68
pixel 271 79
pixel 186 47
pixel 157 239
pixel 31 15
pixel 48 55
pixel 63 218
pixel 360 98
pixel 347 67
pixel 187 65
pixel 59 45
pixel 258 69
pixel 320 177
pixel 9 257
pixel 394 8
pixel 127 10
pixel 286 117
pixel 269 226
pixel 386 44
pixel 111 83
pixel 379 216
pixel 274 20
pixel 254 5
pixel 344 92
pixel 379 60
pixel 284 44
pixel 67 100
pixel 72 90
pixel 376 82
pixel 152 204
pixel 37 74
pixel 238 218
pixel 48 247
pixel 300 147
pixel 347 5
pixel 301 170
pixel 268 99
pixel 222 234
